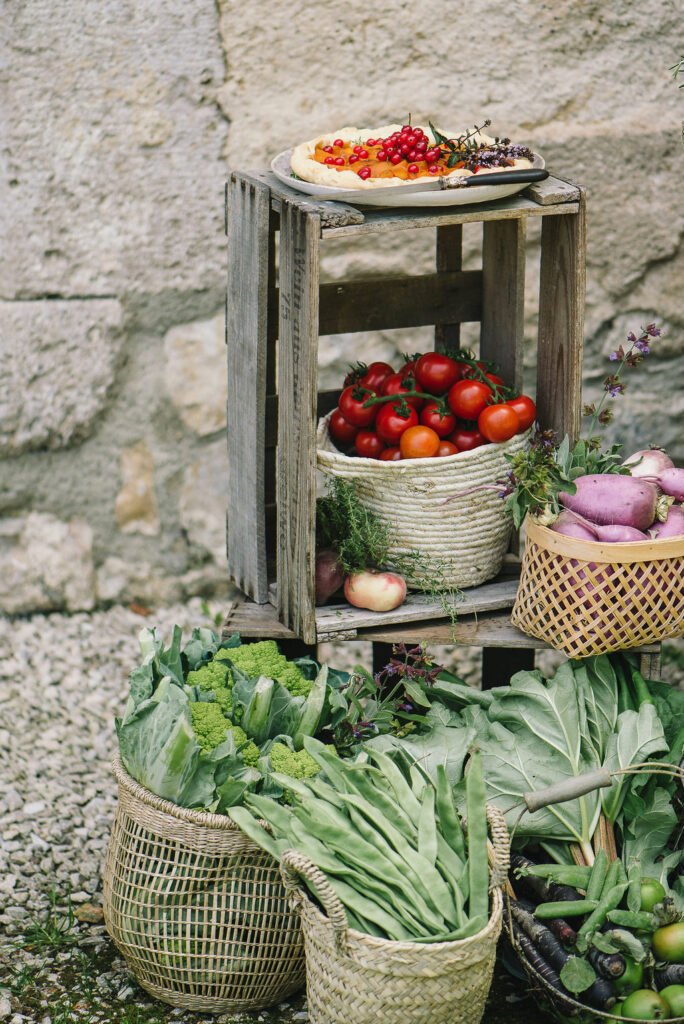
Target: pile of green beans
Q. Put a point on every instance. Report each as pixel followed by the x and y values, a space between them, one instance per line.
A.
pixel 389 842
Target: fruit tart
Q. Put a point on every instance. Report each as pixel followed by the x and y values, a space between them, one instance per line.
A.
pixel 392 155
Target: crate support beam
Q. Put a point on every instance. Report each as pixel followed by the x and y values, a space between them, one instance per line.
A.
pixel 503 297
pixel 449 258
pixel 297 376
pixel 561 322
pixel 247 227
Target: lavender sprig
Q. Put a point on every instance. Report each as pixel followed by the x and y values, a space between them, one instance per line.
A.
pixel 614 385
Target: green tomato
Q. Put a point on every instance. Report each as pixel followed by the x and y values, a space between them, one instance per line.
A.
pixel 668 943
pixel 652 893
pixel 616 1011
pixel 674 997
pixel 644 1004
pixel 631 980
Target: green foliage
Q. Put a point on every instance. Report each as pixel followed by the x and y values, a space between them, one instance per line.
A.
pixel 264 659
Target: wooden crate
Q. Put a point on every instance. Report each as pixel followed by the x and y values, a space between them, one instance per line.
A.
pixel 276 313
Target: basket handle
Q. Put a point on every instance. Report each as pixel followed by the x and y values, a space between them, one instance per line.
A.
pixel 294 866
pixel 500 851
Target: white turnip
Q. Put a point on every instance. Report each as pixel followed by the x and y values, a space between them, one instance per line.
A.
pixel 376 591
pixel 649 463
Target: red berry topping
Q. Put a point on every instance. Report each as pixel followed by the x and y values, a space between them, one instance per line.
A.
pixel 363 153
pixel 364 172
pixel 382 154
pixel 406 128
pixel 371 142
pixel 339 160
pixel 413 168
pixel 390 150
pixel 411 139
pixel 353 158
pixel 431 156
pixel 412 154
pixel 433 169
pixel 357 149
pixel 421 146
pixel 404 148
pixel 329 160
pixel 338 142
pixel 395 158
pixel 327 149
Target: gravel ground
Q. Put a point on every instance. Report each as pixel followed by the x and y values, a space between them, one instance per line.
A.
pixel 62 681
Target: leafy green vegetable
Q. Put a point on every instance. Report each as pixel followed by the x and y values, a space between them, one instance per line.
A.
pixel 577 975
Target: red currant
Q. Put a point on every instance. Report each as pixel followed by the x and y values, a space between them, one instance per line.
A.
pixel 413 168
pixel 421 146
pixel 357 149
pixel 433 169
pixel 382 155
pixel 371 142
pixel 412 154
pixel 329 160
pixel 404 148
pixel 353 158
pixel 390 150
pixel 338 142
pixel 339 160
pixel 406 128
pixel 431 156
pixel 363 153
pixel 327 149
pixel 364 172
pixel 411 139
pixel 395 158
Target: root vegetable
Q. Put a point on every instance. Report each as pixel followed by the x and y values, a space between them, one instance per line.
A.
pixel 614 533
pixel 673 525
pixel 608 498
pixel 569 525
pixel 376 591
pixel 649 462
pixel 671 482
pixel 329 575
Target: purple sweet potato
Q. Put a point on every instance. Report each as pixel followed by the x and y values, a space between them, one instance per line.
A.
pixel 673 525
pixel 569 526
pixel 609 498
pixel 671 481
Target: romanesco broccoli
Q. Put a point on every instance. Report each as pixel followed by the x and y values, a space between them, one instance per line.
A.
pixel 298 764
pixel 249 753
pixel 214 677
pixel 264 659
pixel 210 725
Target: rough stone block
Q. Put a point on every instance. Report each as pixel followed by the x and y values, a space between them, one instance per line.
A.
pixel 45 564
pixel 196 375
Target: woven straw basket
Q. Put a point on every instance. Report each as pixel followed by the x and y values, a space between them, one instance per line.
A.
pixel 353 978
pixel 472 532
pixel 584 597
pixel 196 908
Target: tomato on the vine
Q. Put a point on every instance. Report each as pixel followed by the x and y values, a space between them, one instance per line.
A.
pixel 441 422
pixel 526 410
pixel 446 448
pixel 409 365
pixel 466 439
pixel 498 423
pixel 398 384
pixel 436 372
pixel 391 424
pixel 342 432
pixel 418 443
pixel 392 454
pixel 493 377
pixel 467 398
pixel 375 376
pixel 351 406
pixel 368 444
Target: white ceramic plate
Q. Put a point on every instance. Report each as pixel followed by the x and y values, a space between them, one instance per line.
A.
pixel 393 197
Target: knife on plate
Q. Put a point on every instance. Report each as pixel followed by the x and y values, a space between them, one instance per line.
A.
pixel 447 181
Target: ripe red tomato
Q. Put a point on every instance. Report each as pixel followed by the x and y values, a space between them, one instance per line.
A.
pixel 436 373
pixel 466 439
pixel 418 443
pixel 498 423
pixel 447 448
pixel 442 424
pixel 368 445
pixel 467 398
pixel 392 454
pixel 397 385
pixel 471 375
pixel 351 406
pixel 390 424
pixel 342 433
pixel 409 365
pixel 526 410
pixel 375 376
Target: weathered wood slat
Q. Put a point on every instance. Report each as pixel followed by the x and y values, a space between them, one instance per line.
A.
pixel 297 419
pixel 503 297
pixel 246 304
pixel 379 220
pixel 551 191
pixel 561 322
pixel 326 402
pixel 448 258
pixel 330 214
pixel 332 619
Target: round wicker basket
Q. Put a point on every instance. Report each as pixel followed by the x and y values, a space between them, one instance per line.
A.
pixel 471 532
pixel 198 911
pixel 584 597
pixel 353 977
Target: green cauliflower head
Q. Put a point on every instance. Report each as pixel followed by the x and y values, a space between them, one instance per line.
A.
pixel 264 659
pixel 298 764
pixel 210 724
pixel 214 677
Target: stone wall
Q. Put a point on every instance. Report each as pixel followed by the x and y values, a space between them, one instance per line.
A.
pixel 121 122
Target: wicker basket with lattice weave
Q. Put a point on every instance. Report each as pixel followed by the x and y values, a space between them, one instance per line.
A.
pixel 585 597
pixel 196 908
pixel 353 978
pixel 471 531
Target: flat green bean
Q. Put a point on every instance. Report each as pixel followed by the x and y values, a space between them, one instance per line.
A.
pixel 478 867
pixel 449 820
pixel 427 827
pixel 402 790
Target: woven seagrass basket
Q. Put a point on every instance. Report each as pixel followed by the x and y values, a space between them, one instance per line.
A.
pixel 585 597
pixel 353 978
pixel 198 911
pixel 472 531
